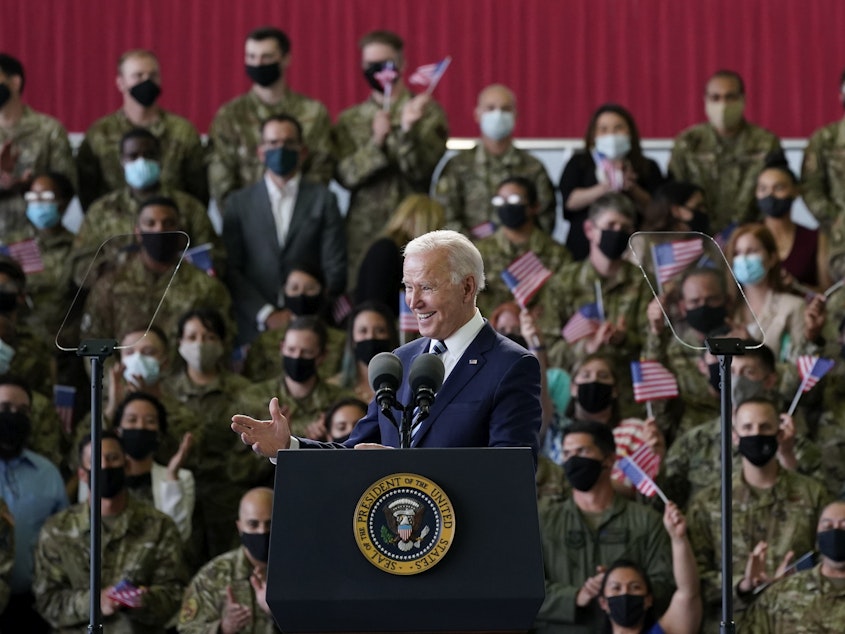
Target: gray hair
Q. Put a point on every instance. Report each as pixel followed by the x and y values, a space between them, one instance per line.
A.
pixel 464 257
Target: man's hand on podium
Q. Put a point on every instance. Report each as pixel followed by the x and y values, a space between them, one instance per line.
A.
pixel 266 437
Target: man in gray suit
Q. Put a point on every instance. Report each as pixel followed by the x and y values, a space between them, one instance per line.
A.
pixel 276 223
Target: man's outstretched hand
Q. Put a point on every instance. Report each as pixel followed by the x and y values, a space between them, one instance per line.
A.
pixel 266 437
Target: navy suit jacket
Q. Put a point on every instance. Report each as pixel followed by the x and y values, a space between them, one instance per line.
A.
pixel 490 399
pixel 258 266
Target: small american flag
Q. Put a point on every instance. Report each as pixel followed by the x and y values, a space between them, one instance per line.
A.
pixel 812 369
pixel 387 75
pixel 484 230
pixel 64 398
pixel 429 74
pixel 407 320
pixel 582 324
pixel 639 478
pixel 127 593
pixel 525 276
pixel 647 460
pixel 27 253
pixel 671 258
pixel 341 309
pixel 200 257
pixel 652 381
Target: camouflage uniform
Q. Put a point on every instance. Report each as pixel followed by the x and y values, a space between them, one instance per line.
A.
pixel 47 437
pixel 7 552
pixel 380 178
pixel 235 135
pixel 140 544
pixel 127 297
pixel 498 253
pixel 823 177
pixel 572 550
pixel 805 603
pixel 303 411
pixel 217 497
pixel 693 462
pixel 783 516
pixel 182 156
pixel 43 145
pixel 470 178
pixel 33 360
pixel 117 214
pixel 726 168
pixel 263 360
pixel 205 597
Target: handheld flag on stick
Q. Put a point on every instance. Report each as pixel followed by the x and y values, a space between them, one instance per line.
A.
pixel 483 230
pixel 386 76
pixel 640 479
pixel 200 257
pixel 429 75
pixel 407 319
pixel 670 258
pixel 64 398
pixel 341 309
pixel 525 276
pixel 27 253
pixel 652 381
pixel 811 369
pixel 582 324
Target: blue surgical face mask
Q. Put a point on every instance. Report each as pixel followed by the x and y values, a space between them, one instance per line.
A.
pixel 143 365
pixel 749 269
pixel 497 124
pixel 142 173
pixel 7 353
pixel 613 146
pixel 43 214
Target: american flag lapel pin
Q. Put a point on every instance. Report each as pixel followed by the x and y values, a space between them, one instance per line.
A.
pixel 473 361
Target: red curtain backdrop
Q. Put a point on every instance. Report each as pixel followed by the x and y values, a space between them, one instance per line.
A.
pixel 562 57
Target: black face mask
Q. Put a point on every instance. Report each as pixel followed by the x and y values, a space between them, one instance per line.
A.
pixel 373 69
pixel 8 300
pixel 146 92
pixel 15 428
pixel 367 349
pixel 699 222
pixel 774 207
pixel 705 319
pixel 512 216
pixel 299 369
pixel 759 450
pixel 5 94
pixel 626 609
pixel 582 473
pixel 140 481
pixel 163 247
pixel 281 160
pixel 139 443
pixel 595 397
pixel 832 544
pixel 715 376
pixel 258 545
pixel 265 74
pixel 112 481
pixel 613 243
pixel 303 304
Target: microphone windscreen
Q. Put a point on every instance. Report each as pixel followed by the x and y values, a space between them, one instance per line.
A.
pixel 385 368
pixel 427 370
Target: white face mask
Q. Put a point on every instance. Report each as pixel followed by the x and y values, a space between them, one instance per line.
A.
pixel 613 146
pixel 7 353
pixel 141 365
pixel 497 124
pixel 201 356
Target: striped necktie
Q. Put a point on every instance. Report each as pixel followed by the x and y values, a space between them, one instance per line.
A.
pixel 437 348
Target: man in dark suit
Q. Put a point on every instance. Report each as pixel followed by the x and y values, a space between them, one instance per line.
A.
pixel 278 222
pixel 491 393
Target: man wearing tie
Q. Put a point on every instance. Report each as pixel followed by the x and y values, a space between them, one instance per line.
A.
pixel 491 392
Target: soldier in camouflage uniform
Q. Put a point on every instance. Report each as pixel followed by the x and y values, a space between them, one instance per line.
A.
pixel 813 601
pixel 468 180
pixel 30 142
pixel 624 295
pixel 140 545
pixel 182 155
pixel 235 132
pixel 116 212
pixel 127 295
pixel 299 388
pixel 517 235
pixel 229 593
pixel 384 155
pixel 774 513
pixel 725 155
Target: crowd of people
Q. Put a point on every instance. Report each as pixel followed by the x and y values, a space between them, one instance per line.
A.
pixel 293 299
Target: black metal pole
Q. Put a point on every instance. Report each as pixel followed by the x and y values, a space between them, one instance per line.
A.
pixel 98 351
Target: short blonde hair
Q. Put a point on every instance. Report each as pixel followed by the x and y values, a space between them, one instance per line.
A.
pixel 416 215
pixel 135 52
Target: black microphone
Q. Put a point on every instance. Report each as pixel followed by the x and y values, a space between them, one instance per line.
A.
pixel 425 378
pixel 385 374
